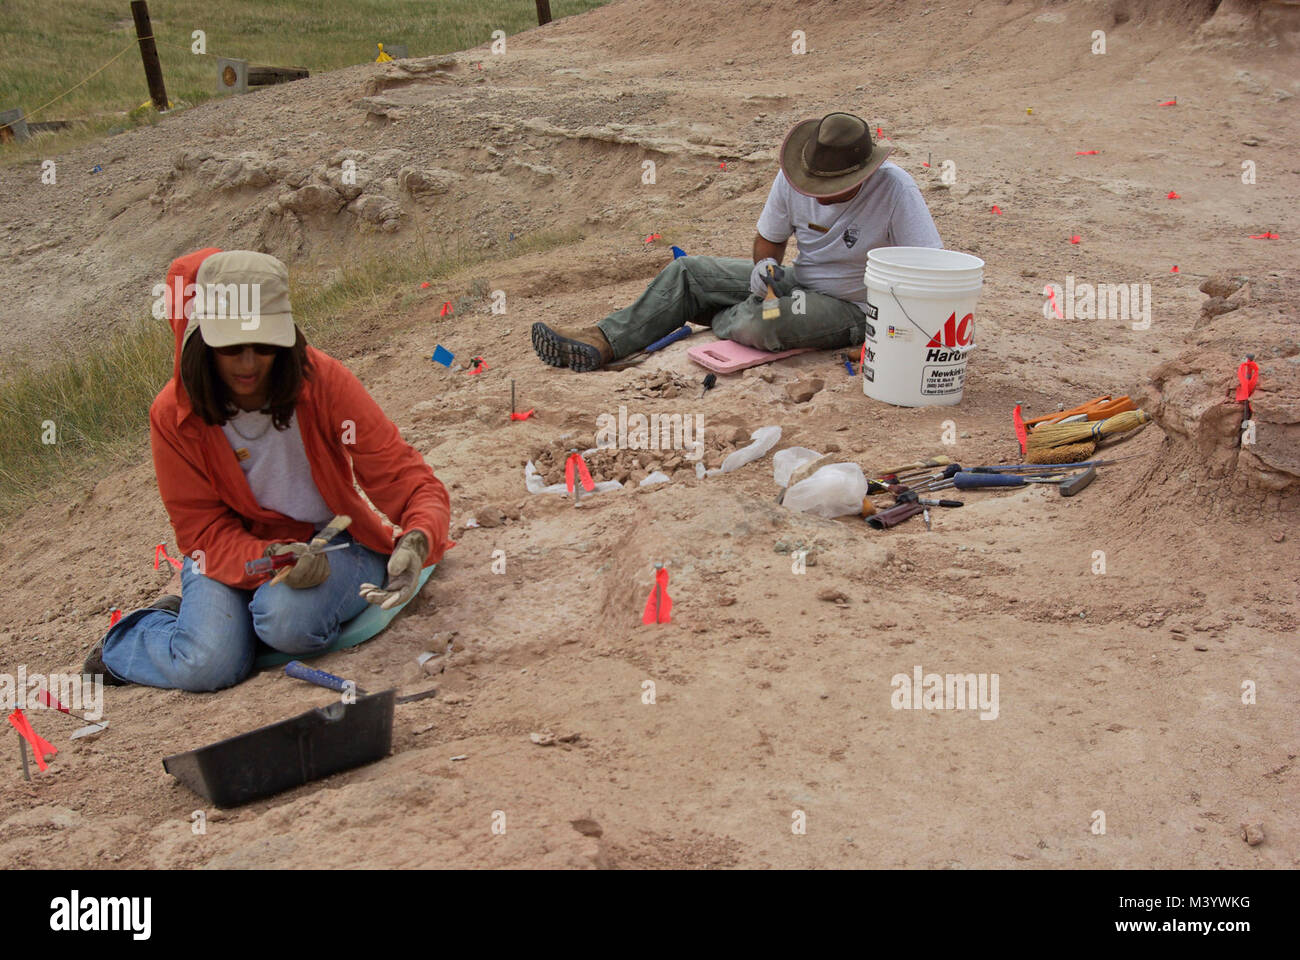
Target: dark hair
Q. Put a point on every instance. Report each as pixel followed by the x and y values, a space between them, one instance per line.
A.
pixel 209 397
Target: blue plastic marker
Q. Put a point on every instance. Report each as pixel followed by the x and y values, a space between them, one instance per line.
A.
pixel 678 252
pixel 442 355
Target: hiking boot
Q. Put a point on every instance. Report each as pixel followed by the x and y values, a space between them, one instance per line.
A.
pixel 168 601
pixel 94 664
pixel 582 349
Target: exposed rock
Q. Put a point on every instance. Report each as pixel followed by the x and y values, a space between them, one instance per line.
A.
pixel 426 182
pixel 1222 286
pixel 376 209
pixel 312 199
pixel 801 391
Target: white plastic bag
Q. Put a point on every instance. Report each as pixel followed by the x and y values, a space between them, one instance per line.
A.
pixel 535 484
pixel 765 438
pixel 833 491
pixel 787 461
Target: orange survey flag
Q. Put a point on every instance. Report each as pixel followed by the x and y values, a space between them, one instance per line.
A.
pixel 658 606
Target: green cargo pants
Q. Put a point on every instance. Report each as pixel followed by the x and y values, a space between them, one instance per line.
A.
pixel 715 291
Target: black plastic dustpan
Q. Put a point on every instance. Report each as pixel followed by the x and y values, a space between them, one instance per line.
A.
pixel 287 754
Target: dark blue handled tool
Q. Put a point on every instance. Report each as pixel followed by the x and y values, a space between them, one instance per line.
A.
pixel 976 481
pixel 681 333
pixel 300 671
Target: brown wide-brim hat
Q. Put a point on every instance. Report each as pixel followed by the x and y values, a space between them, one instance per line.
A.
pixel 824 157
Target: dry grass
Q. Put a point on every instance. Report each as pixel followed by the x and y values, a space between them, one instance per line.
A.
pixel 95 407
pixel 49 48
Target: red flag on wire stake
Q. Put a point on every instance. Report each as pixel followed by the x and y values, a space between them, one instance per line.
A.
pixel 996 209
pixel 40 746
pixel 1021 433
pixel 1086 153
pixel 1264 236
pixel 1050 291
pixel 1169 103
pixel 1173 195
pixel 115 616
pixel 45 698
pixel 1076 239
pixel 658 606
pixel 575 462
pixel 1247 377
pixel 522 416
pixel 653 237
pixel 160 554
pixel 446 309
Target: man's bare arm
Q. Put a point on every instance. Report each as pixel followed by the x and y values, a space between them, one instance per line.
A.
pixel 764 248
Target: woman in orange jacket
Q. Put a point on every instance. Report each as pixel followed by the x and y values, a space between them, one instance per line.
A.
pixel 256 442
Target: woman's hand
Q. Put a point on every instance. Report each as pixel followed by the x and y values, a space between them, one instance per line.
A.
pixel 404 568
pixel 308 571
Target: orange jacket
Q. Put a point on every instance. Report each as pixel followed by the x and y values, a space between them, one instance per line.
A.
pixel 344 432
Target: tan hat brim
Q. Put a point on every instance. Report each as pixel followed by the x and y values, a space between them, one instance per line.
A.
pixel 819 187
pixel 276 329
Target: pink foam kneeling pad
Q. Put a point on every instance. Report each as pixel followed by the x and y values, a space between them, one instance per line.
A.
pixel 727 356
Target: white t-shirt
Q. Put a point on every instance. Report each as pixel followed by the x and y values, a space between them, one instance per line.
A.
pixel 276 467
pixel 888 211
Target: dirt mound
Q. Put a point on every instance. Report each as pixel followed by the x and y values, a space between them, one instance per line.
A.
pixel 1267 23
pixel 1211 450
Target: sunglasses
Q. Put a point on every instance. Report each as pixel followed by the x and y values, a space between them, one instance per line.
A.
pixel 261 349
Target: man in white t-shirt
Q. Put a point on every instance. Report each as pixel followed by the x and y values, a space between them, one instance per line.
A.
pixel 837 197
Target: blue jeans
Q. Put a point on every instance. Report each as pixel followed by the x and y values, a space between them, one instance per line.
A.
pixel 211 643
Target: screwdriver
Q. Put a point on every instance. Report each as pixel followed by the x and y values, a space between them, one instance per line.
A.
pixel 266 564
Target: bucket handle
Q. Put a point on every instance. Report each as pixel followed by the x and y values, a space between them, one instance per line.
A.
pixel 905 313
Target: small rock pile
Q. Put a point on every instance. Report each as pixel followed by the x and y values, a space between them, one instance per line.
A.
pixel 624 465
pixel 665 383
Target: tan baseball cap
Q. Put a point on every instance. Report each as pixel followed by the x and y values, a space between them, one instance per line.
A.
pixel 242 297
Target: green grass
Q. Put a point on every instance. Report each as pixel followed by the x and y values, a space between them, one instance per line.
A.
pixel 99 403
pixel 47 48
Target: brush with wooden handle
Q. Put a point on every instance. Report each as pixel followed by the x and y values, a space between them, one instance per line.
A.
pixel 771 302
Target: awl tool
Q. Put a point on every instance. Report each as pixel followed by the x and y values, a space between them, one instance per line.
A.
pixel 1048 467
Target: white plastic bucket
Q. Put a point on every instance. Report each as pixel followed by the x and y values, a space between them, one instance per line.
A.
pixel 920 324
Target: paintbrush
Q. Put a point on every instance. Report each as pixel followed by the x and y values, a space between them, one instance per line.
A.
pixel 771 303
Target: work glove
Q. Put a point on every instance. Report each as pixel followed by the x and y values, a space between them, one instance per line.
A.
pixel 404 568
pixel 758 278
pixel 307 572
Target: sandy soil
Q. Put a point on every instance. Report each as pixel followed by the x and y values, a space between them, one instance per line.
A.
pixel 1119 692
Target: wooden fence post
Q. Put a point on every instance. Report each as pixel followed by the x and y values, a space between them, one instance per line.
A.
pixel 543 12
pixel 149 53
